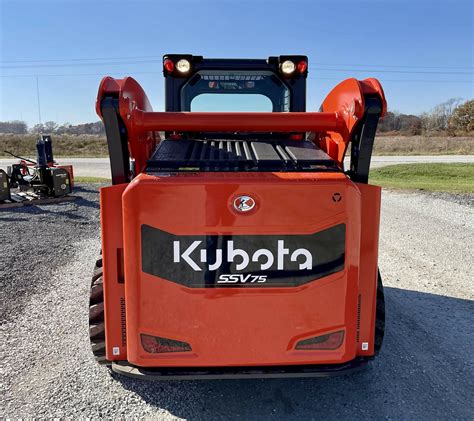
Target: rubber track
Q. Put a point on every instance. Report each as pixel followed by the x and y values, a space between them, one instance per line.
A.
pixel 380 316
pixel 96 315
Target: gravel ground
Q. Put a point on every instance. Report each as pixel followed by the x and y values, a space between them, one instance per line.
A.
pixel 425 370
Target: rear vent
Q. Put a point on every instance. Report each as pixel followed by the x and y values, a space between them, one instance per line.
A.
pixel 123 324
pixel 359 300
pixel 239 155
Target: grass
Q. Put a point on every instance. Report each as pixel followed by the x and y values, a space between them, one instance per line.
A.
pixel 424 145
pixel 454 178
pixel 82 179
pixel 63 145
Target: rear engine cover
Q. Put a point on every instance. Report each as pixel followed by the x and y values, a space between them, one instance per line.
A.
pixel 241 266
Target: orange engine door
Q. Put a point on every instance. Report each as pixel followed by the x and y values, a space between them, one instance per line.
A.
pixel 240 267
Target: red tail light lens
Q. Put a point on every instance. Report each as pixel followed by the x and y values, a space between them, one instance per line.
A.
pixel 302 66
pixel 157 345
pixel 329 342
pixel 168 65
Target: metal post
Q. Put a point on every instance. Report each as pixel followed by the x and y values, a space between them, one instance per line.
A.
pixel 38 96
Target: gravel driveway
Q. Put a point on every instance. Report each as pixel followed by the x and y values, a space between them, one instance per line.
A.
pixel 425 370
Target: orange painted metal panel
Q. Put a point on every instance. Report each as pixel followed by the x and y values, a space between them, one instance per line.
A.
pixel 235 121
pixel 369 245
pixel 114 288
pixel 347 100
pixel 240 326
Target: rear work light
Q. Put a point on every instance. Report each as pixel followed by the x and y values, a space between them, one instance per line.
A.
pixel 329 342
pixel 288 67
pixel 157 345
pixel 183 66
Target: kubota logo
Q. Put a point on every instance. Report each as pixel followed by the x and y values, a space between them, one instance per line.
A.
pixel 263 257
pixel 244 203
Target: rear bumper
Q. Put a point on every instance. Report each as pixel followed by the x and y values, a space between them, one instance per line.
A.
pixel 207 373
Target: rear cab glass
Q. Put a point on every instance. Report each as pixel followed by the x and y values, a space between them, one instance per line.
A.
pixel 229 90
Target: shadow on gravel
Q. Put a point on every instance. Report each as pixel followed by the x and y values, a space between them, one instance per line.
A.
pixel 6 219
pixel 52 210
pixel 81 189
pixel 424 371
pixel 55 208
pixel 82 201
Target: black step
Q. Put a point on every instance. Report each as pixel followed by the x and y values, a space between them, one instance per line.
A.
pixel 238 155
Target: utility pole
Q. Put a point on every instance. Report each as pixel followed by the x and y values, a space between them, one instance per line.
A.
pixel 38 96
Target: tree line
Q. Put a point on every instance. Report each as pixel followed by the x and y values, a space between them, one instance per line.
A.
pixel 51 127
pixel 451 117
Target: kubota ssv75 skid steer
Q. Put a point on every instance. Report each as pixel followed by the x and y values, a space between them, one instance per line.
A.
pixel 234 244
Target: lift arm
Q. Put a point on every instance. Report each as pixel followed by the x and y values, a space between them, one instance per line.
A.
pixel 349 113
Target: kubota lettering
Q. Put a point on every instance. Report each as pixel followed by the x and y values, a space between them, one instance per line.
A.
pixel 241 258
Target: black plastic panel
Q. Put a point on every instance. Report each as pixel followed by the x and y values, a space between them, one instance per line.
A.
pixel 213 261
pixel 251 372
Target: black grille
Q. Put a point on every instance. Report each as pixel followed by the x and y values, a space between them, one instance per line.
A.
pixel 239 155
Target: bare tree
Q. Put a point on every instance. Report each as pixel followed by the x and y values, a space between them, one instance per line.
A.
pixel 405 124
pixel 438 118
pixel 38 128
pixel 15 127
pixel 50 126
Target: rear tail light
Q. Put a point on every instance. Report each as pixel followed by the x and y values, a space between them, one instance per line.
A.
pixel 168 65
pixel 157 345
pixel 330 342
pixel 302 66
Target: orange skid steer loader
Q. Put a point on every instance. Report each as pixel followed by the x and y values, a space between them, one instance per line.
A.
pixel 235 244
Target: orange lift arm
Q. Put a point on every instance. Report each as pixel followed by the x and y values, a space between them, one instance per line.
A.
pixel 133 126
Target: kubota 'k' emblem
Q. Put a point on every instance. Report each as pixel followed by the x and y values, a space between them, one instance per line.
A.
pixel 244 203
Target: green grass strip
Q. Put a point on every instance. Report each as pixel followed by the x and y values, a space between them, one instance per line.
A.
pixel 455 178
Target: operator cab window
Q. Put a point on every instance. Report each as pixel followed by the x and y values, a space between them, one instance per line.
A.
pixel 224 90
pixel 229 102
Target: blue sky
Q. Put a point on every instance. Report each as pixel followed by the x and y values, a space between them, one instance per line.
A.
pixel 422 51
